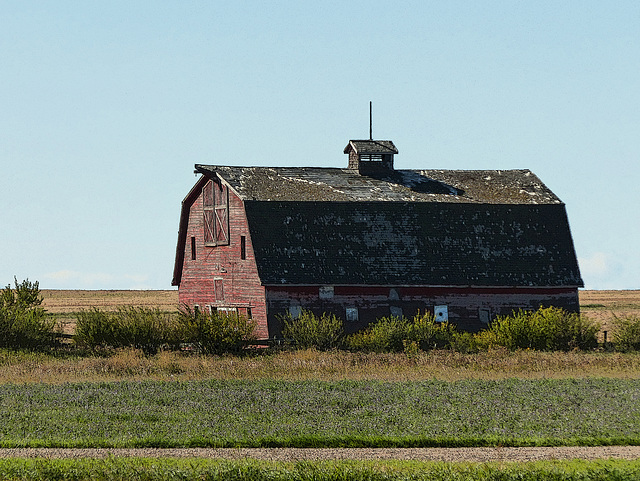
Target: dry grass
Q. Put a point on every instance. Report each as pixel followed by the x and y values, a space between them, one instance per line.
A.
pixel 310 364
pixel 65 301
pixel 601 306
pixel 63 304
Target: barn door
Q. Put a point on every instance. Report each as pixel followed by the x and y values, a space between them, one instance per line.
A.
pixel 221 200
pixel 208 208
pixel 215 204
pixel 222 214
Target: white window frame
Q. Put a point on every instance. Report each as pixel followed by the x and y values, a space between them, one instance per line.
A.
pixel 227 310
pixel 487 312
pixel 351 314
pixel 295 311
pixel 326 292
pixel 441 313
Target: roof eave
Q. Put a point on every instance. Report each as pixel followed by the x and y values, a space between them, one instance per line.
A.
pixel 182 230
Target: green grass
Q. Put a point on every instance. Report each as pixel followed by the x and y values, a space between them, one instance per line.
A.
pixel 213 470
pixel 513 412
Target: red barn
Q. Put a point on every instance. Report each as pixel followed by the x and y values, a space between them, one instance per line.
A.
pixel 368 241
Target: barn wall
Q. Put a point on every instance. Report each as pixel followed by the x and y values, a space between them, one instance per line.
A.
pixel 464 304
pixel 222 265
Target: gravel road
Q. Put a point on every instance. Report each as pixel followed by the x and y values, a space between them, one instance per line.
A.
pixel 282 454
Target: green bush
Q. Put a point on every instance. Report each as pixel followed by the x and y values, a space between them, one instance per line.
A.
pixel 310 331
pixel 138 327
pixel 547 329
pixel 395 334
pixel 626 333
pixel 429 334
pixel 23 323
pixel 387 334
pixel 464 342
pixel 95 328
pixel 144 328
pixel 215 333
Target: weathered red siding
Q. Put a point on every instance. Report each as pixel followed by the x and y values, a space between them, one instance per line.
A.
pixel 374 302
pixel 222 266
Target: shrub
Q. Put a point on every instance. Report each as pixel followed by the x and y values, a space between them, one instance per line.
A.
pixel 387 334
pixel 429 334
pixel 626 333
pixel 310 331
pixel 23 323
pixel 215 333
pixel 464 342
pixel 143 328
pixel 95 328
pixel 579 332
pixel 138 327
pixel 394 334
pixel 547 329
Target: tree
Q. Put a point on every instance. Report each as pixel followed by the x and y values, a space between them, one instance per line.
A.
pixel 23 323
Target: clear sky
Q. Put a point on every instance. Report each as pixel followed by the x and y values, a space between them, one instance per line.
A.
pixel 106 106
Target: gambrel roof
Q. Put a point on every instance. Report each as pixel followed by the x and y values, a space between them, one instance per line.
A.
pixel 331 184
pixel 412 243
pixel 487 228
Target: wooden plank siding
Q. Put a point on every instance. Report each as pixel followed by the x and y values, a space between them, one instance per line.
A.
pixel 374 302
pixel 236 278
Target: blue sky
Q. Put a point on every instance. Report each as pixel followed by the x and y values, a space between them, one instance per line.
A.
pixel 106 106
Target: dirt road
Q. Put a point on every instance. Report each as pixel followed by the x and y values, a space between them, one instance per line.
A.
pixel 280 454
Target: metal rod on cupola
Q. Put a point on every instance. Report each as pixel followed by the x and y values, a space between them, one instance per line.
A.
pixel 370 121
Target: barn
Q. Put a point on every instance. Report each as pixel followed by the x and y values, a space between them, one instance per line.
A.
pixel 368 241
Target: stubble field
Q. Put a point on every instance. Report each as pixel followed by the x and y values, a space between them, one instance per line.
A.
pixel 602 306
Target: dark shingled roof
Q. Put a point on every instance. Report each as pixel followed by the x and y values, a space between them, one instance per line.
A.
pixel 405 227
pixel 332 184
pixel 383 243
pixel 371 147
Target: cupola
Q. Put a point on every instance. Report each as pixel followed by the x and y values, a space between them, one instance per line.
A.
pixel 371 156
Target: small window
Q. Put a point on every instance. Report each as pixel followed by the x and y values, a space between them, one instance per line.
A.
pixel 395 311
pixel 441 313
pixel 218 287
pixel 243 247
pixel 295 311
pixel 249 315
pixel 371 157
pixel 193 248
pixel 325 292
pixel 484 315
pixel 352 314
pixel 196 309
pixel 227 311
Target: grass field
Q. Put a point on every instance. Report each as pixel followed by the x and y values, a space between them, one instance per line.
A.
pixel 310 398
pixel 303 414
